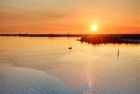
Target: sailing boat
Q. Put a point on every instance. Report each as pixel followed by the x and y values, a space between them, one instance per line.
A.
pixel 70 48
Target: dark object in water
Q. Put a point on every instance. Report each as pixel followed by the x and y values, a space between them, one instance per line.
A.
pixel 70 48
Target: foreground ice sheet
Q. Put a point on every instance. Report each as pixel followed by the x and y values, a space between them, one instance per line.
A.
pixel 27 81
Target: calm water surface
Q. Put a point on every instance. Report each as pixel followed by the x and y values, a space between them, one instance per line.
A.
pixel 47 66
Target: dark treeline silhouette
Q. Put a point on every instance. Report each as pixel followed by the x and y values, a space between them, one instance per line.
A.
pixel 90 38
pixel 45 35
pixel 111 38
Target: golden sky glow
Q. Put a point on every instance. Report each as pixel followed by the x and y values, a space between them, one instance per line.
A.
pixel 69 16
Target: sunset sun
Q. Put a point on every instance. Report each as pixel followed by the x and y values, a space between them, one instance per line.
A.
pixel 94 28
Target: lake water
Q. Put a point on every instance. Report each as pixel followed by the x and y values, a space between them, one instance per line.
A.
pixel 46 66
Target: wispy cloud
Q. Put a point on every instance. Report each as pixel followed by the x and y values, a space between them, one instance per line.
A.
pixel 68 14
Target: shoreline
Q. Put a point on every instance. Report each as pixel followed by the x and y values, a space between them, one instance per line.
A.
pixel 89 38
pixel 45 35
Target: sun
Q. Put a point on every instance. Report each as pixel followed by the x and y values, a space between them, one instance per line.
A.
pixel 94 27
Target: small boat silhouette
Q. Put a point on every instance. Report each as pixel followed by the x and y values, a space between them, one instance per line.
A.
pixel 70 48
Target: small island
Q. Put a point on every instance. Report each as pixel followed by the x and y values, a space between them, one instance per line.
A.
pixel 111 38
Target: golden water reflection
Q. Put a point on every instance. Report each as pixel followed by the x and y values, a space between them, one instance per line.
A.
pixel 86 69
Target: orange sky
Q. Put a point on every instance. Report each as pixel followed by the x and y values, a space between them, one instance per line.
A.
pixel 69 16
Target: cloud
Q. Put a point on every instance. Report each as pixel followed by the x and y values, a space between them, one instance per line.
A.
pixel 67 14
